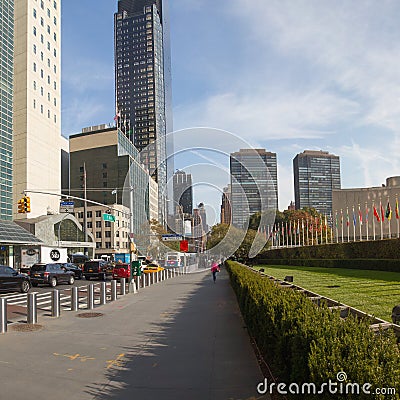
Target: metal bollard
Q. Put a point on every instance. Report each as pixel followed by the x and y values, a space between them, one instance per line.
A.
pixel 157 277
pixel 122 287
pixel 74 299
pixel 55 303
pixel 113 290
pixel 103 293
pixel 3 315
pixel 90 297
pixel 31 317
pixel 143 278
pixel 150 279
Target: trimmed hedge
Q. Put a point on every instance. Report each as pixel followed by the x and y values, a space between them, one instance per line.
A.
pixel 361 263
pixel 373 249
pixel 305 343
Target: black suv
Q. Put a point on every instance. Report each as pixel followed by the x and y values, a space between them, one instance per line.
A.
pixel 50 274
pixel 99 269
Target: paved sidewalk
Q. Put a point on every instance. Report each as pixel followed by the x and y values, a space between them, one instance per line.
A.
pixel 179 339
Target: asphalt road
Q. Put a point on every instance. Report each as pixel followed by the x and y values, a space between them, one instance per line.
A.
pixel 183 338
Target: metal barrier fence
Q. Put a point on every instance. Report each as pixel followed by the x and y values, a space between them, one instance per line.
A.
pixel 140 282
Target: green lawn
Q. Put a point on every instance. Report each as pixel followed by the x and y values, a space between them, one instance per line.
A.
pixel 374 292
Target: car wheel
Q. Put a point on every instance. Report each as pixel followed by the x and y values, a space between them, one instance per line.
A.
pixel 71 280
pixel 53 282
pixel 34 284
pixel 25 287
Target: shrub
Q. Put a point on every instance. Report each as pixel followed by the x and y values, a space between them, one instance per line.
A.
pixel 305 343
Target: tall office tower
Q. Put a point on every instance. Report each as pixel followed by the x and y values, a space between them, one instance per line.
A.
pixel 254 184
pixel 316 174
pixel 226 212
pixel 6 97
pixel 143 83
pixel 183 191
pixel 37 107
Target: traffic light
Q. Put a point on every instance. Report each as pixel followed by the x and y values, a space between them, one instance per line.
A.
pixel 27 204
pixel 21 206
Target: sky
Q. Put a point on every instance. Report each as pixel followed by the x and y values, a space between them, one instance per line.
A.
pixel 284 75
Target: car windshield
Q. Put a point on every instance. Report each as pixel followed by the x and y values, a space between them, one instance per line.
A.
pixel 38 268
pixel 119 266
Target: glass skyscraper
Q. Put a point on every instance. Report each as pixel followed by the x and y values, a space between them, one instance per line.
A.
pixel 143 83
pixel 316 174
pixel 254 184
pixel 6 109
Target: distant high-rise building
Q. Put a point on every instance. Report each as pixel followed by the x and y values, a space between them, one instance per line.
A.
pixel 226 210
pixel 203 215
pixel 183 191
pixel 254 184
pixel 143 83
pixel 6 110
pixel 37 138
pixel 316 175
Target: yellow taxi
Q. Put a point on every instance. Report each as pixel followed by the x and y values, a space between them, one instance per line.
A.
pixel 151 268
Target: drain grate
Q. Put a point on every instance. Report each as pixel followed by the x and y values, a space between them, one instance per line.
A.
pixel 90 315
pixel 26 327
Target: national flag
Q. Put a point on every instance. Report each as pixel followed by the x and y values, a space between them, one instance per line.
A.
pixel 290 228
pixel 376 214
pixel 360 218
pixel 382 212
pixel 397 209
pixel 114 191
pixel 298 227
pixel 388 213
pixel 366 213
pixel 354 218
pixel 347 218
pixel 336 219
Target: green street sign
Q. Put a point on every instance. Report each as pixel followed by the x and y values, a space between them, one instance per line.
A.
pixel 108 217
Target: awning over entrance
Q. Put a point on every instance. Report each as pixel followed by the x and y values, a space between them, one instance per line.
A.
pixel 13 234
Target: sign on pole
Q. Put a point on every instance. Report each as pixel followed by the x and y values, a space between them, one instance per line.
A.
pixel 108 217
pixel 67 207
pixel 171 237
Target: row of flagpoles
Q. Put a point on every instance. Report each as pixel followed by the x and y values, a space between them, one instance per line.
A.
pixel 334 229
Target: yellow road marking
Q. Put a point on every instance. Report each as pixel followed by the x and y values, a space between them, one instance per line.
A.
pixel 115 363
pixel 74 357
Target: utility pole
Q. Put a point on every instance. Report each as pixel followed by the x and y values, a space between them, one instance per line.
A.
pixel 85 209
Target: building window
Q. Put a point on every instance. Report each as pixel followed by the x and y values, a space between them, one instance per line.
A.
pixel 48 13
pixel 41 91
pixel 98 245
pixel 105 184
pixel 41 21
pixel 89 214
pixel 55 118
pixel 42 4
pixel 41 108
pixel 34 13
pixel 89 225
pixel 108 234
pixel 41 38
pixel 55 5
pixel 55 53
pixel 55 21
pixel 80 214
pixel 98 235
pixel 107 224
pixel 55 85
pixel 41 73
pixel 48 114
pixel 55 69
pixel 34 30
pixel 98 224
pixel 34 85
pixel 48 29
pixel 104 165
pixel 108 245
pixel 34 103
pixel 34 48
pixel 34 67
pixel 98 214
pixel 55 37
pixel 105 175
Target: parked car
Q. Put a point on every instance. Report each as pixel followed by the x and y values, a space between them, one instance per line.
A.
pixel 122 270
pixel 50 274
pixel 99 269
pixel 78 273
pixel 10 279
